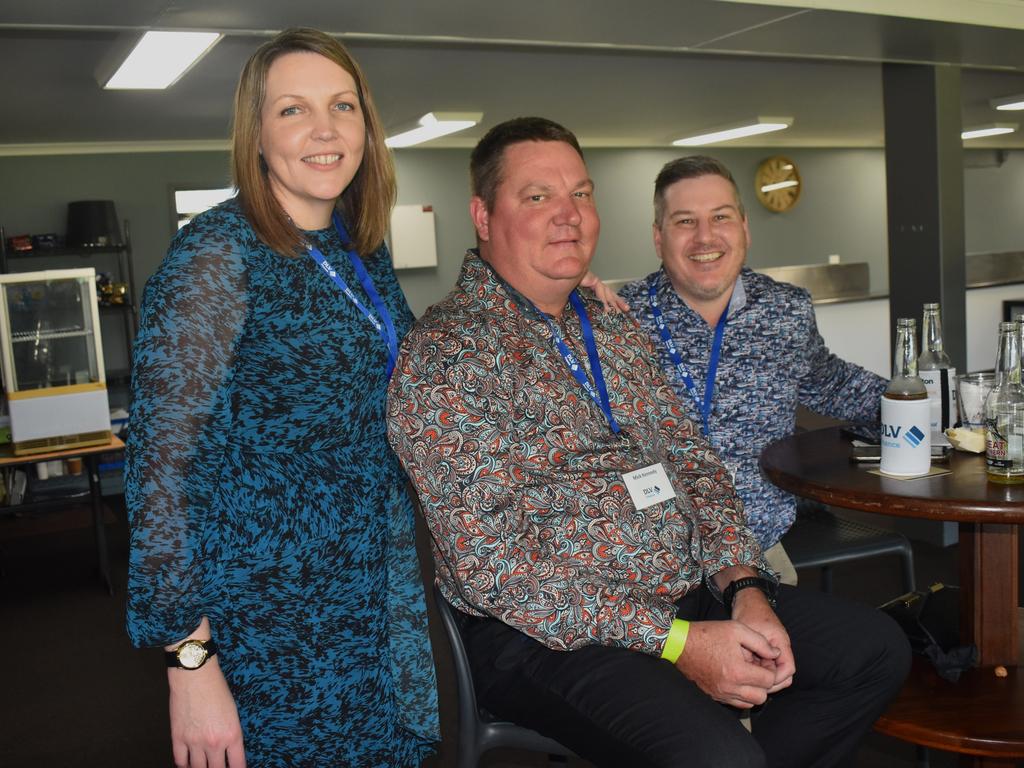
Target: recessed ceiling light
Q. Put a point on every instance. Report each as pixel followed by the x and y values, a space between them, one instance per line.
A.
pixel 160 58
pixel 992 129
pixel 1009 103
pixel 736 131
pixel 433 125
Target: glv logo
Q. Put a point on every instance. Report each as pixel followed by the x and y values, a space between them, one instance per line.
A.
pixel 890 430
pixel 914 436
pixel 652 490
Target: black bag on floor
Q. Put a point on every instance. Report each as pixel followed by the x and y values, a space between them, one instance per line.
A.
pixel 931 619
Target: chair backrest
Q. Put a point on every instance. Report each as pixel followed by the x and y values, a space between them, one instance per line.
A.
pixel 468 709
pixel 478 732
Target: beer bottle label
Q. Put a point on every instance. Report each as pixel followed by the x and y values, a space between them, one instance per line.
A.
pixel 997 452
pixel 941 386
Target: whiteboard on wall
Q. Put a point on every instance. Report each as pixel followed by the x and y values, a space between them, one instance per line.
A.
pixel 413 242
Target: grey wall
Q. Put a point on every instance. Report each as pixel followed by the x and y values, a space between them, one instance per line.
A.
pixel 841 210
pixel 439 178
pixel 35 191
pixel 994 203
pixel 816 227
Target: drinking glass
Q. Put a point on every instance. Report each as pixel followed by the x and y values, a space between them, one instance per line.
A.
pixel 972 389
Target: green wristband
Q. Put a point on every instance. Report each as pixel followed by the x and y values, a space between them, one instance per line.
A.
pixel 676 640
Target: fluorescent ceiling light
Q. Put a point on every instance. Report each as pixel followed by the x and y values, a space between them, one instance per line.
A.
pixel 160 58
pixel 993 129
pixel 1009 103
pixel 434 125
pixel 760 125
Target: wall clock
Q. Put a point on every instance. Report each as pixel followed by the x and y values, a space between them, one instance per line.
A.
pixel 777 183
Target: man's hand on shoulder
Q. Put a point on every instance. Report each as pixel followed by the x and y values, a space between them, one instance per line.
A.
pixel 750 608
pixel 726 660
pixel 611 301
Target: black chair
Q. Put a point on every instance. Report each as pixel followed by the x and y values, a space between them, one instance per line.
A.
pixel 478 731
pixel 820 539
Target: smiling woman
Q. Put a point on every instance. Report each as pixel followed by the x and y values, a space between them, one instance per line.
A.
pixel 311 135
pixel 365 201
pixel 272 538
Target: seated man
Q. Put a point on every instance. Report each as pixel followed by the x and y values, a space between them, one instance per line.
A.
pixel 614 599
pixel 740 350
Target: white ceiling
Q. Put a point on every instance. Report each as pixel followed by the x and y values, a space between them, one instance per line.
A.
pixel 618 73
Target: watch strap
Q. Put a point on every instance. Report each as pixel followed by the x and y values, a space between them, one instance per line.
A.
pixel 174 661
pixel 749 582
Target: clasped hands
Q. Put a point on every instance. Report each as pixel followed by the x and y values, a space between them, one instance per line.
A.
pixel 741 661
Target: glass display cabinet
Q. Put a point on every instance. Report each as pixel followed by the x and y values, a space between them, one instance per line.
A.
pixel 52 356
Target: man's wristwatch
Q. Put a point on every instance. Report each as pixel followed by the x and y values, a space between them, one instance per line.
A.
pixel 768 587
pixel 191 654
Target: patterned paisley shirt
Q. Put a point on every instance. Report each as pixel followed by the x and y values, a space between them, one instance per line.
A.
pixel 520 476
pixel 772 359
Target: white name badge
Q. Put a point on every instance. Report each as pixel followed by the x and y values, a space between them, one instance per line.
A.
pixel 648 486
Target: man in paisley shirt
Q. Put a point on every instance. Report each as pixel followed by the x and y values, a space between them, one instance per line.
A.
pixel 740 349
pixel 610 593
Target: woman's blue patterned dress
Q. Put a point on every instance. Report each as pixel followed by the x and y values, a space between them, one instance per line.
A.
pixel 263 494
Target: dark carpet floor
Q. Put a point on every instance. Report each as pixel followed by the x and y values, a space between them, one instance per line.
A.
pixel 73 692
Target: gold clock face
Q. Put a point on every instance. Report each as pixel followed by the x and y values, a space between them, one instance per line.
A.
pixel 778 184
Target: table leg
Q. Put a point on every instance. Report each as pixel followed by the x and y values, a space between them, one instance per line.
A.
pixel 93 466
pixel 989 591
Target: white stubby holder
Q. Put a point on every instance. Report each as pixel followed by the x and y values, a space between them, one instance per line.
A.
pixel 906 437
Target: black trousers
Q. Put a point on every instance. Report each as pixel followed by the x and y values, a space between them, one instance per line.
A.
pixel 624 709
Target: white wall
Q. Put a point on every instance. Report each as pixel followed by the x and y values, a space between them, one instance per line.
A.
pixel 984 313
pixel 858 331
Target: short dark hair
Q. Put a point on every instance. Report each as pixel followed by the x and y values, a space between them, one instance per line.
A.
pixel 690 167
pixel 485 164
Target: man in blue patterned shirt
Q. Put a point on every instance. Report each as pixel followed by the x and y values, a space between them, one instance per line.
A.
pixel 740 349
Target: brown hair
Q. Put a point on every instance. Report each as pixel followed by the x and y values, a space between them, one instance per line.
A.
pixel 365 204
pixel 691 167
pixel 485 164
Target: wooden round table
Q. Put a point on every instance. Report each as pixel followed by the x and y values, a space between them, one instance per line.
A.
pixel 982 714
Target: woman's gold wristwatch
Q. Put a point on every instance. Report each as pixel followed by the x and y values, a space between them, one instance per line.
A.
pixel 191 654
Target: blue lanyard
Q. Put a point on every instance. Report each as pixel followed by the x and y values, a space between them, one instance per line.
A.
pixel 386 329
pixel 599 394
pixel 703 407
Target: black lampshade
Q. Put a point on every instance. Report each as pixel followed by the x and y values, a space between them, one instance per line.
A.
pixel 93 223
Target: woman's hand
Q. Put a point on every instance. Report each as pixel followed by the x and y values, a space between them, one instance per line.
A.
pixel 612 301
pixel 205 730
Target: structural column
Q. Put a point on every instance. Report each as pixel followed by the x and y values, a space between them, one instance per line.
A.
pixel 924 175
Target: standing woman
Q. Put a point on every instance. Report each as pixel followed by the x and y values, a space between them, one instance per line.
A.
pixel 269 517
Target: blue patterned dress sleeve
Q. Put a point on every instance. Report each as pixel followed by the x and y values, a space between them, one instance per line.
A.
pixel 193 311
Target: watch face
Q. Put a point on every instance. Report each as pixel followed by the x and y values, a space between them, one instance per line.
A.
pixel 191 654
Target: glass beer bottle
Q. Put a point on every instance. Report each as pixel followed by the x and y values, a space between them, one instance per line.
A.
pixel 906 438
pixel 905 383
pixel 1004 412
pixel 937 372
